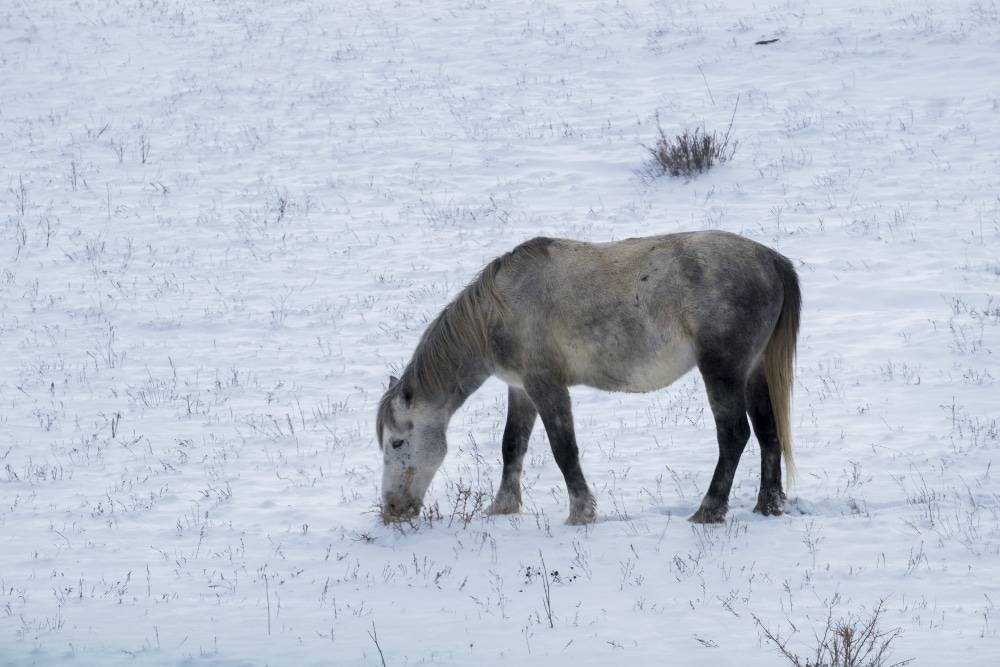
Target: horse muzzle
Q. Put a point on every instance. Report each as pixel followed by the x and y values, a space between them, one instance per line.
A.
pixel 399 508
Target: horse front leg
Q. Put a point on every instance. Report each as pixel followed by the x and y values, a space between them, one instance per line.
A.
pixel 553 404
pixel 521 415
pixel 725 396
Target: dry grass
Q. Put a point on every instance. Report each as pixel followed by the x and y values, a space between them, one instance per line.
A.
pixel 690 152
pixel 853 641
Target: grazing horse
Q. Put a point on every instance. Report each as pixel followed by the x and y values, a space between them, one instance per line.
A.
pixel 630 315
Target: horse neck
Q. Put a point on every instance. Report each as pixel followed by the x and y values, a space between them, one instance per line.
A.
pixel 451 361
pixel 456 388
pixel 473 380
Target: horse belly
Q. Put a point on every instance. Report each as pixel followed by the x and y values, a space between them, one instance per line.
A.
pixel 662 369
pixel 625 368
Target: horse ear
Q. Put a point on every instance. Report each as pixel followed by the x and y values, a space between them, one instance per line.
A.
pixel 393 381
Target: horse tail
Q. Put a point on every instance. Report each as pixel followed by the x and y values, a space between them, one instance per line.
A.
pixel 779 360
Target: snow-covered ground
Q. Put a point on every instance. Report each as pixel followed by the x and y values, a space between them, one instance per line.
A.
pixel 223 225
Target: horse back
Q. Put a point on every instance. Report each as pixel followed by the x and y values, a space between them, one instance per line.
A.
pixel 632 315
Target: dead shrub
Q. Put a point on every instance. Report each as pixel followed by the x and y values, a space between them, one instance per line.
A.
pixel 854 641
pixel 690 152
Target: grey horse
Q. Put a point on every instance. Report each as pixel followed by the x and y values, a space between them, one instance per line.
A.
pixel 631 315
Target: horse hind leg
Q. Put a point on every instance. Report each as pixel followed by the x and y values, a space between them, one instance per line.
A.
pixel 521 415
pixel 771 498
pixel 726 397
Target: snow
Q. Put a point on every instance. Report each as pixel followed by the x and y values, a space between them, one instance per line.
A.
pixel 224 225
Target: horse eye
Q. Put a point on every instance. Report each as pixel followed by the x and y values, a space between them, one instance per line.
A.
pixel 396 444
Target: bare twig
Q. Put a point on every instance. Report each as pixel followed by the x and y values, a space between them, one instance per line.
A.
pixel 710 96
pixel 374 635
pixel 547 588
pixel 267 594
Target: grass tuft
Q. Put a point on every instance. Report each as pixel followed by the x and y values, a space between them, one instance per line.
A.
pixel 690 152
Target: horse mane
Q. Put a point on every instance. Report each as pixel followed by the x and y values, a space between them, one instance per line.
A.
pixel 459 335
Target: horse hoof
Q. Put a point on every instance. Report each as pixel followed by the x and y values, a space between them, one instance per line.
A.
pixel 580 521
pixel 770 504
pixel 582 517
pixel 495 509
pixel 709 515
pixel 768 509
pixel 505 503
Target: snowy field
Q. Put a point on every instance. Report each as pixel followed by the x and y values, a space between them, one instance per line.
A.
pixel 224 225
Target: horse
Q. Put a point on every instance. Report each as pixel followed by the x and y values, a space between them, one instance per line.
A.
pixel 625 316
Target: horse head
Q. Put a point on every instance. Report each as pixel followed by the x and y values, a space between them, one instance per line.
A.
pixel 411 434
